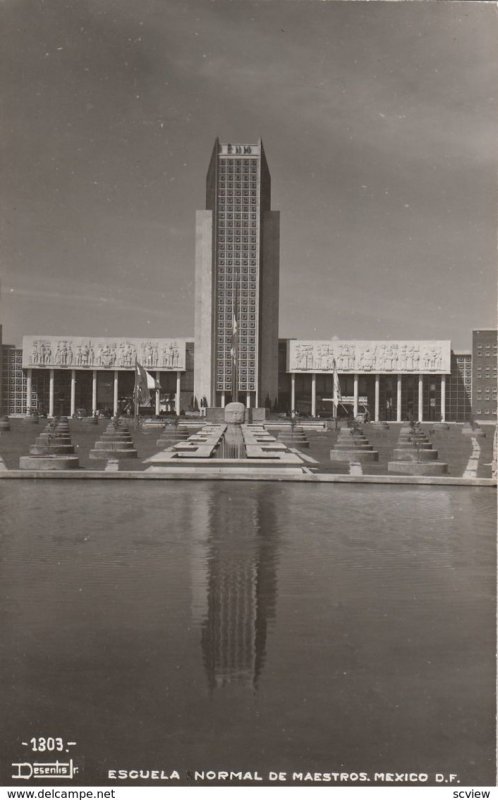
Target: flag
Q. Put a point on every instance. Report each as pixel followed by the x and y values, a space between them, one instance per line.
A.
pixel 142 392
pixel 234 349
pixel 151 381
pixel 337 385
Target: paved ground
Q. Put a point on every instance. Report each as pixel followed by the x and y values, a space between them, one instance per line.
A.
pixel 17 441
pixel 454 447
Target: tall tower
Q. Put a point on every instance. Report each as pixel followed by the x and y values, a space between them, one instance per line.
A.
pixel 237 279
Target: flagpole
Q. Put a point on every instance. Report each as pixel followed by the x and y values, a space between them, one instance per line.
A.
pixel 235 351
pixel 337 395
pixel 135 396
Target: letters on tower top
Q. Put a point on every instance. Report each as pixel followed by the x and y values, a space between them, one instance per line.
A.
pixel 80 352
pixel 357 357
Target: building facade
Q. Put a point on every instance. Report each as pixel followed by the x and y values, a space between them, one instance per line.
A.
pixel 388 380
pixel 484 377
pixel 13 382
pixel 237 281
pixel 459 388
pixel 64 375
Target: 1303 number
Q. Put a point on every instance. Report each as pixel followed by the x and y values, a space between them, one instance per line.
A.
pixel 40 744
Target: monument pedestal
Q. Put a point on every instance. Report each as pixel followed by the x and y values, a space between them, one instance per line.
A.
pixel 415 455
pixel 53 449
pixel 353 445
pixel 115 442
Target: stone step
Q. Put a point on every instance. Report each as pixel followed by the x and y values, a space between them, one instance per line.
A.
pixel 354 455
pixel 112 453
pixel 114 445
pixel 417 468
pixel 48 463
pixel 295 442
pixel 353 446
pixel 410 445
pixel 176 435
pixel 46 438
pixel 113 426
pixel 415 455
pixel 116 437
pixel 48 449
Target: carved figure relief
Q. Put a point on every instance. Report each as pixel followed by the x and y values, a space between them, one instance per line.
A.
pixel 369 357
pixel 81 352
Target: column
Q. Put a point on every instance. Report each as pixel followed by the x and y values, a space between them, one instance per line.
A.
pixel 115 396
pixel 29 391
pixel 398 400
pixel 248 400
pixel 158 393
pixel 420 398
pixel 377 396
pixel 51 393
pixel 223 399
pixel 293 392
pixel 355 396
pixel 313 395
pixel 94 391
pixel 177 396
pixel 335 396
pixel 73 393
pixel 443 398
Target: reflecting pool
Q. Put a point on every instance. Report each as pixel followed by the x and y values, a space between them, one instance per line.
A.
pixel 243 626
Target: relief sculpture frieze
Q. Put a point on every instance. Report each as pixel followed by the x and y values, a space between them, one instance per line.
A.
pixel 78 352
pixel 369 356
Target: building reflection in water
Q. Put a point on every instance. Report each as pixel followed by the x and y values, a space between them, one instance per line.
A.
pixel 234 579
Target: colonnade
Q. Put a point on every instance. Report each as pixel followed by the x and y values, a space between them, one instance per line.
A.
pixel 51 392
pixel 376 417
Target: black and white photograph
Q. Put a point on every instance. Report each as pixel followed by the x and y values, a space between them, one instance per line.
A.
pixel 248 396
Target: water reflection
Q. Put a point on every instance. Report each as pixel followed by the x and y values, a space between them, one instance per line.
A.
pixel 234 580
pixel 379 655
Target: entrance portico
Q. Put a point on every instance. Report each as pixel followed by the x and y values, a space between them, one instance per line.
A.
pixel 64 375
pixel 379 395
pixel 339 378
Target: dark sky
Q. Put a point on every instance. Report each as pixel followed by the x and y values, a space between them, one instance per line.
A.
pixel 379 124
